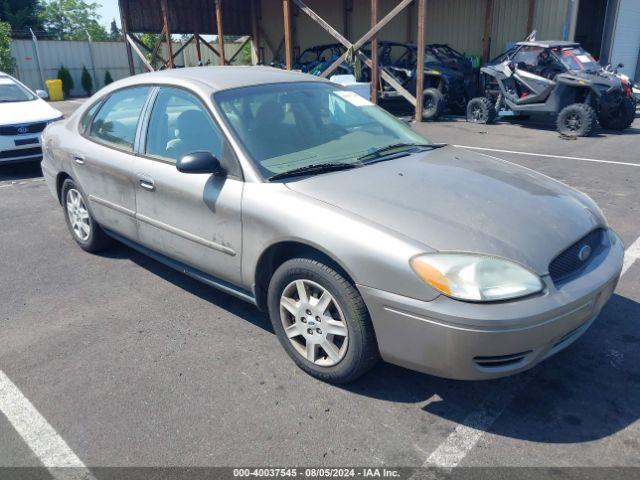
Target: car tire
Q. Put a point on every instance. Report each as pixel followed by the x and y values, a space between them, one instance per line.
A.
pixel 433 104
pixel 576 120
pixel 303 317
pixel 481 110
pixel 619 118
pixel 84 229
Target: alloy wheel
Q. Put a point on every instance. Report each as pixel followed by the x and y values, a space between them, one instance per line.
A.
pixel 573 122
pixel 314 323
pixel 78 215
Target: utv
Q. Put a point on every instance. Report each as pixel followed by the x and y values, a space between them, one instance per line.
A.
pixel 448 76
pixel 316 59
pixel 553 77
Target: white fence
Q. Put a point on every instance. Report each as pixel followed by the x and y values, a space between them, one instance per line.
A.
pixel 98 57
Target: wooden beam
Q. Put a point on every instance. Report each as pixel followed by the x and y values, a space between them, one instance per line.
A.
pixel 255 33
pixel 220 31
pixel 210 47
pixel 167 30
pixel 531 15
pixel 138 52
pixel 154 54
pixel 288 48
pixel 124 17
pixel 156 48
pixel 240 48
pixel 390 79
pixel 374 53
pixel 198 52
pixel 486 39
pixel 420 43
pixel 183 46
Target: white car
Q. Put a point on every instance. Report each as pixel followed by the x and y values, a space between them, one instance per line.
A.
pixel 23 117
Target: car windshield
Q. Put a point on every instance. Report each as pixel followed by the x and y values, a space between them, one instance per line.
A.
pixel 288 126
pixel 10 91
pixel 576 58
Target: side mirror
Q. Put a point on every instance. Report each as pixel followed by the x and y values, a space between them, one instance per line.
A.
pixel 200 162
pixel 620 65
pixel 42 94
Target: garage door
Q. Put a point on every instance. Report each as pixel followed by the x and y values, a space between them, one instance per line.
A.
pixel 626 39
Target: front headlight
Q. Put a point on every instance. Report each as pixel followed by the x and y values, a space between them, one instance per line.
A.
pixel 480 278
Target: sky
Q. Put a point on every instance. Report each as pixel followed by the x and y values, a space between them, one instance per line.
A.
pixel 108 11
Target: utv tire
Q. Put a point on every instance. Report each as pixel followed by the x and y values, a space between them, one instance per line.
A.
pixel 309 324
pixel 619 118
pixel 576 120
pixel 481 110
pixel 433 104
pixel 82 226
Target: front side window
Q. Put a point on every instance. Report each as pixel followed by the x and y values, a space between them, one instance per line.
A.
pixel 88 115
pixel 11 91
pixel 528 58
pixel 179 125
pixel 117 120
pixel 293 125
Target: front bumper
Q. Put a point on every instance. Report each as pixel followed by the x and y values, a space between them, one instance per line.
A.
pixel 472 341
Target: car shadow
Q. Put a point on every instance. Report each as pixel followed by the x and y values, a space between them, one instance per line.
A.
pixel 20 171
pixel 588 391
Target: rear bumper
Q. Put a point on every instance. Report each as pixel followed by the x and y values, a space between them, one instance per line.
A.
pixel 472 341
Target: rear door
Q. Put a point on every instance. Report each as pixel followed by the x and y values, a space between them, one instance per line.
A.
pixel 192 218
pixel 103 159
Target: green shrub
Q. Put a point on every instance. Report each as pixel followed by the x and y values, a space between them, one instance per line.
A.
pixel 108 78
pixel 67 81
pixel 87 81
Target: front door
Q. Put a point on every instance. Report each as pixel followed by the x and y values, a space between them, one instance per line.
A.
pixel 192 218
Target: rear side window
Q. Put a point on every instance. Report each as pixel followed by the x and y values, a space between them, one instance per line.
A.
pixel 88 115
pixel 117 120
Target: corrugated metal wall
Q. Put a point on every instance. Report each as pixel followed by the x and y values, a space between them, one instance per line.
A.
pixel 460 23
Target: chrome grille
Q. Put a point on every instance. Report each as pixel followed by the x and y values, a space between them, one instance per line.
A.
pixel 568 263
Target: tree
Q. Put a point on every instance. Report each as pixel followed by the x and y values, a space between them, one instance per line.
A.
pixel 67 81
pixel 7 62
pixel 86 80
pixel 107 78
pixel 151 40
pixel 21 14
pixel 73 20
pixel 115 33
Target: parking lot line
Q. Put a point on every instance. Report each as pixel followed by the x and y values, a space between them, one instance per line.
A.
pixel 581 159
pixel 38 434
pixel 466 435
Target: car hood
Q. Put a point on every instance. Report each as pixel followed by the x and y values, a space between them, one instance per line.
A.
pixel 16 113
pixel 456 200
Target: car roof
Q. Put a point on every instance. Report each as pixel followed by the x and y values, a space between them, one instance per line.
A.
pixel 220 78
pixel 550 43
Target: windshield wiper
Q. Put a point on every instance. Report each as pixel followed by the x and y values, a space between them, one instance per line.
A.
pixel 314 168
pixel 390 149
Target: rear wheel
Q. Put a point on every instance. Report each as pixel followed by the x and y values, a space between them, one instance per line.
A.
pixel 321 321
pixel 576 120
pixel 481 110
pixel 619 118
pixel 432 104
pixel 84 229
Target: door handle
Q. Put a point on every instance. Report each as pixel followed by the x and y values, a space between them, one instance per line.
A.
pixel 79 159
pixel 147 184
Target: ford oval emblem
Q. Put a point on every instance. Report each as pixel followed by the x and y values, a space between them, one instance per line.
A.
pixel 584 253
pixel 23 129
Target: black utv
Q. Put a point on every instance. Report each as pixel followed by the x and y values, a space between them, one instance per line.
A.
pixel 557 78
pixel 449 79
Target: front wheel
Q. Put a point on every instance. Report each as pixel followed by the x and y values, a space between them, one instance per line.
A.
pixel 433 104
pixel 321 321
pixel 481 110
pixel 576 120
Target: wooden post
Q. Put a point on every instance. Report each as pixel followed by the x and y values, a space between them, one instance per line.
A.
pixel 486 39
pixel 167 31
pixel 198 52
pixel 420 44
pixel 220 31
pixel 374 53
pixel 124 16
pixel 255 34
pixel 288 44
pixel 531 15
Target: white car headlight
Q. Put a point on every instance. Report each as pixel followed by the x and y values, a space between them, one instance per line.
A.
pixel 480 278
